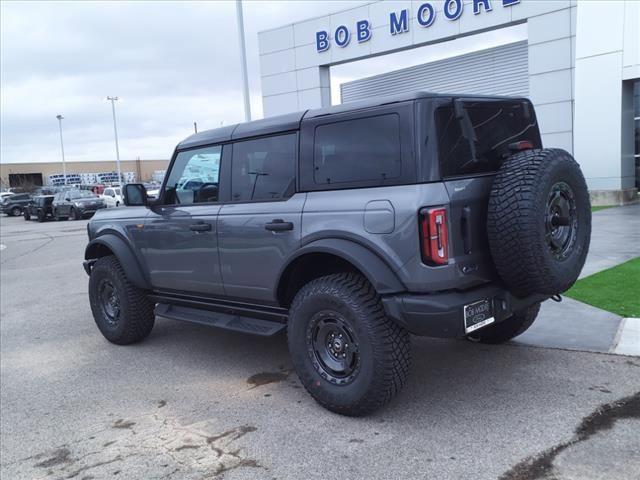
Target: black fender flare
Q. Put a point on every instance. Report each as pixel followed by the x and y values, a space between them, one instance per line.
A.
pixel 377 271
pixel 123 253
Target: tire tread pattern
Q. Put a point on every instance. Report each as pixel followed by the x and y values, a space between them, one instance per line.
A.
pixel 139 317
pixel 514 229
pixel 392 347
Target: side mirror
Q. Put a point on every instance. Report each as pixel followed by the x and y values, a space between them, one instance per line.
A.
pixel 134 195
pixel 67 199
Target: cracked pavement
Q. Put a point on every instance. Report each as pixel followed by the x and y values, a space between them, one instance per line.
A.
pixel 197 403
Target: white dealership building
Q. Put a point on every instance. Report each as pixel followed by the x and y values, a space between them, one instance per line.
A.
pixel 579 63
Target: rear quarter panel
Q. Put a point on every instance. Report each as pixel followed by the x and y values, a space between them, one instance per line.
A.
pixel 344 214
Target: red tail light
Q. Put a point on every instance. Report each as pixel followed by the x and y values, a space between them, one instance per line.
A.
pixel 519 146
pixel 434 236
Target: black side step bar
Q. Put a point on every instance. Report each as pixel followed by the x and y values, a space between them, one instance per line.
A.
pixel 227 321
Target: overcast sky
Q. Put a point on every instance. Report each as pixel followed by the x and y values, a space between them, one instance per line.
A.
pixel 173 63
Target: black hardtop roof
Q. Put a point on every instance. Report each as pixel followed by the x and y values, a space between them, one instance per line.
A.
pixel 291 121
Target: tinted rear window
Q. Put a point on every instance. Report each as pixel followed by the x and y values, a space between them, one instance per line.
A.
pixel 495 125
pixel 363 149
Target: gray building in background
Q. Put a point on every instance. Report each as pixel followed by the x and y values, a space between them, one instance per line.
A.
pixel 580 65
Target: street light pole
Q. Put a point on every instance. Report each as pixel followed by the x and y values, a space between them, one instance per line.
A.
pixel 64 165
pixel 243 61
pixel 115 133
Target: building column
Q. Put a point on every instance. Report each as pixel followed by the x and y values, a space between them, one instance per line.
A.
pixel 551 38
pixel 602 129
pixel 291 77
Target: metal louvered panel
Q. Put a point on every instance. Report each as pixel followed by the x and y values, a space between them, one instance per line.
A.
pixel 501 70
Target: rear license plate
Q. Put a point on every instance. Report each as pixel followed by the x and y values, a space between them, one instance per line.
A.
pixel 478 315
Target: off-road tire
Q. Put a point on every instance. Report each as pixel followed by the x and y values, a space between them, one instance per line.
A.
pixel 16 211
pixel 384 350
pixel 56 215
pixel 519 223
pixel 41 216
pixel 136 314
pixel 26 215
pixel 74 214
pixel 507 329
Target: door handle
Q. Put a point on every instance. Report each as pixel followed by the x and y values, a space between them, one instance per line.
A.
pixel 278 225
pixel 200 227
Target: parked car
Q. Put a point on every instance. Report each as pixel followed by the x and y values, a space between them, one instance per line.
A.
pixel 40 208
pixel 350 227
pixel 13 204
pixel 3 195
pixel 75 204
pixel 112 196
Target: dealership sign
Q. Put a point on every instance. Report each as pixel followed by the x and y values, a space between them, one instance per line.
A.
pixel 399 21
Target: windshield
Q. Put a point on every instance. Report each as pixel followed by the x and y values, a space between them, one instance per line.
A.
pixel 76 194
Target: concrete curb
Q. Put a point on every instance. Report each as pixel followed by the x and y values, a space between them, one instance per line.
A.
pixel 628 338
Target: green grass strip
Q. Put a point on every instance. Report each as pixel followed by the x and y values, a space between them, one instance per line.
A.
pixel 597 209
pixel 616 289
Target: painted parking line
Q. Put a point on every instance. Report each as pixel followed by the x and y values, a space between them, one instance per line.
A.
pixel 628 338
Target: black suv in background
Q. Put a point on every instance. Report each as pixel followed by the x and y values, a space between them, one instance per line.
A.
pixel 14 204
pixel 75 204
pixel 40 207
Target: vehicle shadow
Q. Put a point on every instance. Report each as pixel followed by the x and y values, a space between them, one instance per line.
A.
pixel 459 377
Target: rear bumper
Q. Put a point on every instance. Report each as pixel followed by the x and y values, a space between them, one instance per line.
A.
pixel 442 314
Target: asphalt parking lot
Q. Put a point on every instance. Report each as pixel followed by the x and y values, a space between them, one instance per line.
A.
pixel 193 403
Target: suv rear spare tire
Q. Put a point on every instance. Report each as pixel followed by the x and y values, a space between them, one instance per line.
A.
pixel 539 221
pixel 348 355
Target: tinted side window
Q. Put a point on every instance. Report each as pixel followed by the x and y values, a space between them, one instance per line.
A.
pixel 363 149
pixel 264 169
pixel 491 128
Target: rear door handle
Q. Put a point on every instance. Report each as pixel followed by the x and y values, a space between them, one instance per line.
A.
pixel 279 225
pixel 200 227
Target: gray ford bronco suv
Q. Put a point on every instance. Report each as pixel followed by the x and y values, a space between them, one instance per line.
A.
pixel 350 227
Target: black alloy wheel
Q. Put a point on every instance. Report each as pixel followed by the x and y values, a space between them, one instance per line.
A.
pixel 561 220
pixel 333 347
pixel 109 302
